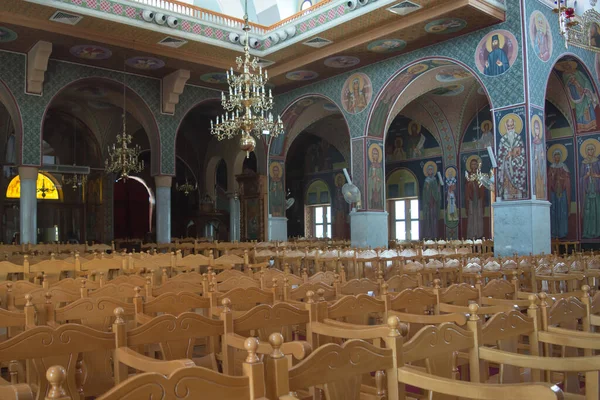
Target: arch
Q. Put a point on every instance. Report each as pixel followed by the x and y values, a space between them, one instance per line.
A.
pixel 573 57
pixel 10 103
pixel 396 177
pixel 211 174
pixel 398 83
pixel 321 191
pixel 136 106
pixel 293 125
pixel 44 180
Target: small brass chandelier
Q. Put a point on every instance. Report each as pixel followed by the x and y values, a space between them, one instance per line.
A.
pixel 566 18
pixel 45 190
pixel 483 179
pixel 247 107
pixel 122 159
pixel 187 187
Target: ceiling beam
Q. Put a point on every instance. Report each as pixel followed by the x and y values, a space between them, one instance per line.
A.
pixel 374 34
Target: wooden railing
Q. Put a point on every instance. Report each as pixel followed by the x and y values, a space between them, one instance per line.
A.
pixel 222 19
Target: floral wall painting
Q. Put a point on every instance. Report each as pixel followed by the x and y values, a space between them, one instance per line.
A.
pixel 276 193
pixel 541 36
pixel 301 75
pixel 512 161
pixel 589 183
pixel 7 35
pixel 214 77
pixel 451 202
pixel 559 189
pixel 581 93
pixel 375 180
pixel 145 63
pixel 452 74
pixel 445 26
pixel 538 156
pixel 450 90
pixel 594 35
pixel 357 93
pixel 90 52
pixel 342 62
pixel 496 52
pixel 386 45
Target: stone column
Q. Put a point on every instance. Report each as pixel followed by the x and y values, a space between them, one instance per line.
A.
pixel 522 227
pixel 163 208
pixel 234 217
pixel 28 204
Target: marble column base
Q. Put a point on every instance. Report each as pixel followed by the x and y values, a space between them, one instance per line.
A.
pixel 521 227
pixel 369 229
pixel 278 228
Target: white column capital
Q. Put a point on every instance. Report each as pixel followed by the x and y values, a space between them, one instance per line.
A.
pixel 163 180
pixel 28 173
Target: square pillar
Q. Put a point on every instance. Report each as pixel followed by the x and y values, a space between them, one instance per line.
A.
pixel 369 229
pixel 28 204
pixel 277 228
pixel 163 208
pixel 522 227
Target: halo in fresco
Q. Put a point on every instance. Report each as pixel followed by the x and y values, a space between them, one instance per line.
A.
pixel 342 61
pixel 214 77
pixel 514 117
pixel 356 93
pixel 430 164
pixel 450 173
pixel 445 26
pixel 330 107
pixel 541 35
pixel 90 52
pixel 386 45
pixel 560 148
pixel 6 35
pixel 496 52
pixel 145 63
pixel 471 158
pixel 450 90
pixel 452 74
pixel 301 75
pixel 588 142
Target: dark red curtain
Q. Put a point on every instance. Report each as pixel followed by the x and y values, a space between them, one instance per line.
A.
pixel 132 209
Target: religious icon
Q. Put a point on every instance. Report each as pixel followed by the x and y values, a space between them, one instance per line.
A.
pixel 146 63
pixel 398 154
pixel 415 140
pixel 301 75
pixel 452 74
pixel 431 201
pixel 276 194
pixel 90 52
pixel 445 26
pixel 451 208
pixel 496 53
pixel 590 187
pixel 474 196
pixel 538 150
pixel 512 166
pixel 541 35
pixel 559 187
pixel 375 177
pixel 386 45
pixel 582 95
pixel 487 136
pixel 214 77
pixel 594 35
pixel 356 93
pixel 342 61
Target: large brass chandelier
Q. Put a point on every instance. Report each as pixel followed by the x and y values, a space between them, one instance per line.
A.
pixel 122 159
pixel 247 107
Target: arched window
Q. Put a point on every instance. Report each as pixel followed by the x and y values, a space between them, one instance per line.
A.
pixel 46 188
pixel 306 4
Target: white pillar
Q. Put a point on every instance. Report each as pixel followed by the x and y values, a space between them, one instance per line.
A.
pixel 28 204
pixel 163 208
pixel 277 228
pixel 234 217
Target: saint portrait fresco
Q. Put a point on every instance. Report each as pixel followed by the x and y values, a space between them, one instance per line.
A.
pixel 342 61
pixel 451 200
pixel 541 36
pixel 559 189
pixel 375 181
pixel 474 199
pixel 90 52
pixel 512 164
pixel 301 75
pixel 594 35
pixel 496 53
pixel 452 74
pixel 407 140
pixel 276 193
pixel 7 35
pixel 145 63
pixel 386 45
pixel 431 201
pixel 445 26
pixel 589 176
pixel 356 93
pixel 214 77
pixel 538 154
pixel 581 93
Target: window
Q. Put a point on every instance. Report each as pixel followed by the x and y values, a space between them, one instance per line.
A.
pixel 46 189
pixel 322 219
pixel 306 4
pixel 406 224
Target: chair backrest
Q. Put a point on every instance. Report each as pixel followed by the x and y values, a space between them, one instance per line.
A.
pixel 171 303
pixel 398 283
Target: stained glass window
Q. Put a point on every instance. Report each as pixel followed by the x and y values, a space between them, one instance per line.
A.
pixel 46 189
